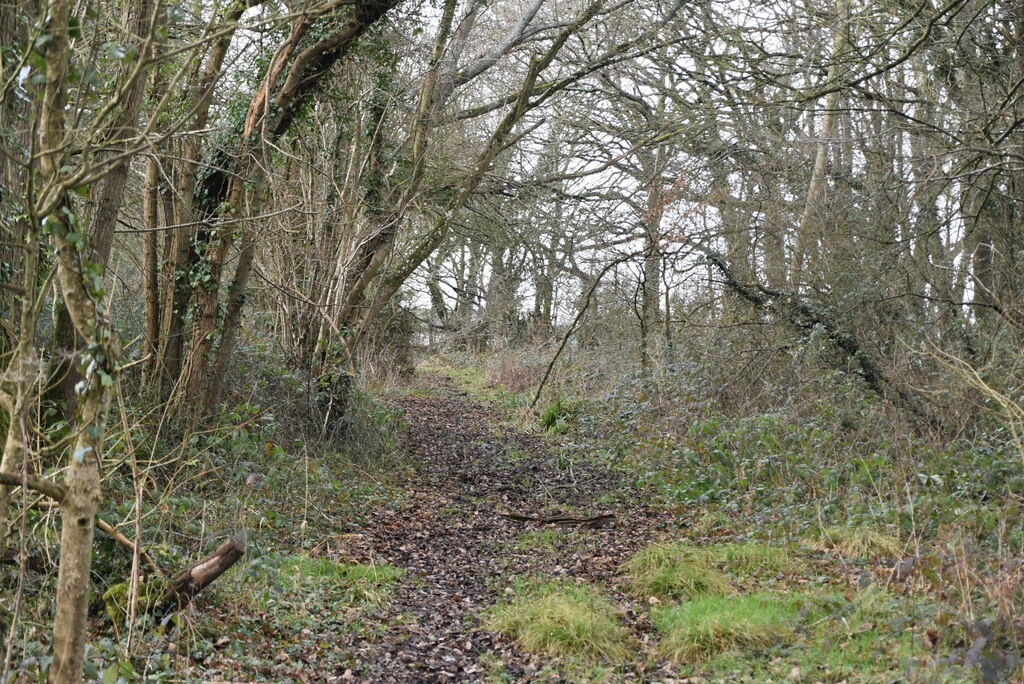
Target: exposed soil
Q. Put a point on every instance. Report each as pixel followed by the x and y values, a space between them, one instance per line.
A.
pixel 461 556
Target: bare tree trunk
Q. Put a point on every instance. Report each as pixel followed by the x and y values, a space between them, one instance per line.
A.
pixel 650 294
pixel 232 321
pixel 177 294
pixel 111 189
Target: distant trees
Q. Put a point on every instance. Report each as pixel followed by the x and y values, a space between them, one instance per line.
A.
pixel 855 162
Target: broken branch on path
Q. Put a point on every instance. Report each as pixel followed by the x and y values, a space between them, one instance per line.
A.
pixel 562 520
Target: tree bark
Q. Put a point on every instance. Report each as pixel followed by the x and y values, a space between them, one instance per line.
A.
pixel 82 499
pixel 150 266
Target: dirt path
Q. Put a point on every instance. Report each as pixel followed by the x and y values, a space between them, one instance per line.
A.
pixel 460 556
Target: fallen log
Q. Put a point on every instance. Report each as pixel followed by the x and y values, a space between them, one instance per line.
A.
pixel 562 520
pixel 193 579
pixel 162 595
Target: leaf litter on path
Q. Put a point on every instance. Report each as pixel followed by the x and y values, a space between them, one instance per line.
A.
pixel 461 556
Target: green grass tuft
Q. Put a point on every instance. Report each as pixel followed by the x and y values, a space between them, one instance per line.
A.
pixel 752 558
pixel 362 582
pixel 858 542
pixel 545 540
pixel 674 571
pixel 702 628
pixel 558 415
pixel 564 620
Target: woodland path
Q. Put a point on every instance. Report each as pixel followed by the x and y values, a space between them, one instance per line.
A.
pixel 461 557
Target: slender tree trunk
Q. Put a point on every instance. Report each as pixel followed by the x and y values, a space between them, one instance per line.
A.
pixel 150 266
pixel 82 500
pixel 437 303
pixel 808 231
pixel 232 320
pixel 110 189
pixel 650 294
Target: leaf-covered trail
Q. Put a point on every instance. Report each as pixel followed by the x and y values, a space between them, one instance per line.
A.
pixel 460 556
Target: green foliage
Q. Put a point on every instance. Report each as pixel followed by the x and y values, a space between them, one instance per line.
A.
pixel 708 625
pixel 563 620
pixel 559 415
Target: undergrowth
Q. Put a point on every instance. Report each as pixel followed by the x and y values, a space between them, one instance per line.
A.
pixel 815 461
pixel 292 494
